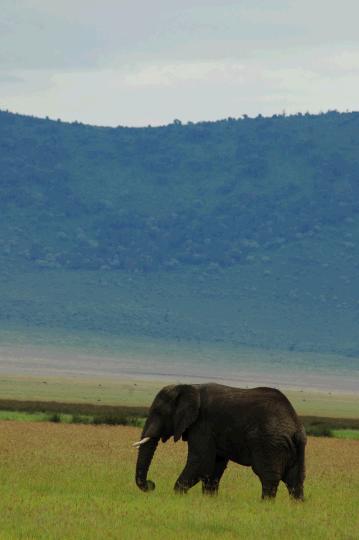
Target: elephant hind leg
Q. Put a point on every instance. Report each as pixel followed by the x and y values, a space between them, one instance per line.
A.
pixel 269 469
pixel 269 488
pixel 269 480
pixel 294 476
pixel 210 483
pixel 296 492
pixel 294 482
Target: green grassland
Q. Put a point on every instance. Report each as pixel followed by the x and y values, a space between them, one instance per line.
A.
pixel 346 434
pixel 133 393
pixel 20 411
pixel 23 416
pixel 80 390
pixel 63 481
pixel 125 402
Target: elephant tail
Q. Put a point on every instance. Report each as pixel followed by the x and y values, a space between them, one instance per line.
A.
pixel 295 475
pixel 300 440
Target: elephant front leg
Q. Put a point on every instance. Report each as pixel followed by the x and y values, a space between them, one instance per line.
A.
pixel 210 484
pixel 199 465
pixel 188 477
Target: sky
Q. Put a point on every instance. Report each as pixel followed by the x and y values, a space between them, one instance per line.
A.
pixel 141 62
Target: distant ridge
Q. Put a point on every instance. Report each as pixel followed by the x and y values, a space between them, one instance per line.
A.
pixel 236 230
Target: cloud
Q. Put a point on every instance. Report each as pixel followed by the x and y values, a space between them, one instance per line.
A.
pixel 182 72
pixel 157 93
pixel 9 78
pixel 136 63
pixel 347 60
pixel 31 38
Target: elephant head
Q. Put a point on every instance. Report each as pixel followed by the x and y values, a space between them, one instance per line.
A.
pixel 173 410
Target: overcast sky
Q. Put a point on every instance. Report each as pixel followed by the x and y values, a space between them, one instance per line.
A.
pixel 140 62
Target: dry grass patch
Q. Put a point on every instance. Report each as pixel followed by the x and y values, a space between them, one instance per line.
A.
pixel 76 481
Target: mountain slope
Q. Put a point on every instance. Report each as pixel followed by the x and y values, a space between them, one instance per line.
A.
pixel 237 231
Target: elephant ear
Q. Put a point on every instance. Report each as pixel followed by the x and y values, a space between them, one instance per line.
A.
pixel 187 409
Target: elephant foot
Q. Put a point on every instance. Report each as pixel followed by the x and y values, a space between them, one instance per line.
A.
pixel 146 485
pixel 296 493
pixel 269 491
pixel 210 492
pixel 268 497
pixel 180 489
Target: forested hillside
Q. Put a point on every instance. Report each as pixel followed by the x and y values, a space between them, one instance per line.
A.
pixel 237 230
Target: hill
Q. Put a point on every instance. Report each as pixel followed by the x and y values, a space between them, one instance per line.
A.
pixel 237 231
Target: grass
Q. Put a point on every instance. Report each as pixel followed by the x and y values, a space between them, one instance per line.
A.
pixel 64 481
pixel 326 404
pixel 22 416
pixel 135 392
pixel 118 401
pixel 95 390
pixel 113 419
pixel 346 434
pixel 75 413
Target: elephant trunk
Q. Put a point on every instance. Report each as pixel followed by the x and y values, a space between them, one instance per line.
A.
pixel 145 455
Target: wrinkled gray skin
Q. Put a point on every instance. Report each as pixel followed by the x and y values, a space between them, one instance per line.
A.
pixel 257 428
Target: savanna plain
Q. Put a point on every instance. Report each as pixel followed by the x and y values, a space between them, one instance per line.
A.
pixel 65 480
pixel 77 481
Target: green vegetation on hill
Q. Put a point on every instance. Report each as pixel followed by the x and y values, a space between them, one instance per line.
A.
pixel 243 231
pixel 81 197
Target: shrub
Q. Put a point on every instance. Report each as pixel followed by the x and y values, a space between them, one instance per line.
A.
pixel 110 419
pixel 117 420
pixel 319 431
pixel 79 419
pixel 55 417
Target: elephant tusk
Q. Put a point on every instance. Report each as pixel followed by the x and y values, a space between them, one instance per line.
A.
pixel 141 442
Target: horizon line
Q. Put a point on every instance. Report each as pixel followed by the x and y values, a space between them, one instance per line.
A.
pixel 178 122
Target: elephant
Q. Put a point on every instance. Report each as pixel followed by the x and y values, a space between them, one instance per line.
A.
pixel 255 427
